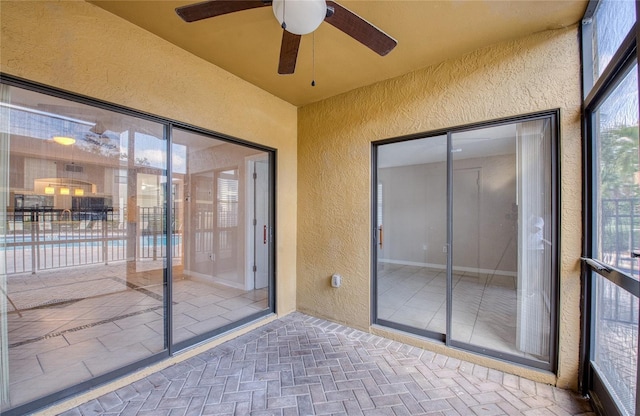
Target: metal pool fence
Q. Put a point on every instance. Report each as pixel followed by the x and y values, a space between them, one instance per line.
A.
pixel 46 239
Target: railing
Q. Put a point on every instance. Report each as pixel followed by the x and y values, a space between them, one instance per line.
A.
pixel 618 305
pixel 620 233
pixel 50 239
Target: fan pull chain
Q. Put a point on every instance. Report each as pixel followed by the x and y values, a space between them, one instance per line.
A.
pixel 284 8
pixel 313 59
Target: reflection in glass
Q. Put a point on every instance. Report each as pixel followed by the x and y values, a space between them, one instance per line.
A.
pixel 616 342
pixel 220 193
pixel 501 271
pixel 411 223
pixel 617 208
pixel 612 21
pixel 618 194
pixel 83 247
pixel 5 398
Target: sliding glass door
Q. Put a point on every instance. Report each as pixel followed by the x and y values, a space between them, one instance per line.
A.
pixel 124 238
pixel 466 238
pixel 412 243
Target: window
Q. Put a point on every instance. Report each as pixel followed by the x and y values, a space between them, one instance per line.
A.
pixel 612 207
pixel 469 245
pixel 123 239
pixel 612 21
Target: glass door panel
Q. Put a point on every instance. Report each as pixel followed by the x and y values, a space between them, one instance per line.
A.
pixel 501 241
pixel 83 246
pixel 221 276
pixel 484 210
pixel 412 234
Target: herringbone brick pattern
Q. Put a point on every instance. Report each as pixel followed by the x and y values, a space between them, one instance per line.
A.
pixel 300 365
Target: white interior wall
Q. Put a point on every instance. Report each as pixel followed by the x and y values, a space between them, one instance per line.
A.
pixel 414 214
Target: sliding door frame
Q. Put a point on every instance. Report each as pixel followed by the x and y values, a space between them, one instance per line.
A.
pixel 446 339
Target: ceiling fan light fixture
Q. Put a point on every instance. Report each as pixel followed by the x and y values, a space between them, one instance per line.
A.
pixel 64 140
pixel 301 17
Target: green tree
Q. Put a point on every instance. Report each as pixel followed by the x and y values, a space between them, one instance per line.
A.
pixel 619 167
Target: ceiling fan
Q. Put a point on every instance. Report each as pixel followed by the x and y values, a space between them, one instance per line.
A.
pixel 297 18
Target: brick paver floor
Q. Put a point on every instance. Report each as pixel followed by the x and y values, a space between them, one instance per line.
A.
pixel 301 365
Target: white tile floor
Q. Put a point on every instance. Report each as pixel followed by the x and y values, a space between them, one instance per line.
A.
pixel 484 310
pixel 70 325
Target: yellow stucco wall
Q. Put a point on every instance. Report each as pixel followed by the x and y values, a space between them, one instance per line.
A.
pixel 81 48
pixel 540 72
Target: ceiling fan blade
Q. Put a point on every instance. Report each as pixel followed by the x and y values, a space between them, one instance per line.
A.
pixel 359 29
pixel 212 8
pixel 288 52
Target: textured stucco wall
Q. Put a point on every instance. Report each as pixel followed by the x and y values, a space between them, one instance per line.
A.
pixel 536 73
pixel 81 48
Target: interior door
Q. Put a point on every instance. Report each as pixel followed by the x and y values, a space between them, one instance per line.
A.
pixel 261 224
pixel 466 219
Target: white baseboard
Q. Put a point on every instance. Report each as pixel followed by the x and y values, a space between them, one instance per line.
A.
pixel 444 267
pixel 204 278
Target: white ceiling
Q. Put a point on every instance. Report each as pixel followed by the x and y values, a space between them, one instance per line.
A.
pixel 486 142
